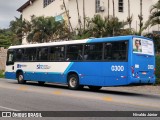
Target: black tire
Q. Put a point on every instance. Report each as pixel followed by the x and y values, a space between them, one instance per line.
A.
pixel 41 83
pixel 73 82
pixel 20 78
pixel 94 88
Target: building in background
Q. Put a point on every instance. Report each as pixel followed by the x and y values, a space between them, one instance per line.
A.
pixel 88 8
pixel 3 56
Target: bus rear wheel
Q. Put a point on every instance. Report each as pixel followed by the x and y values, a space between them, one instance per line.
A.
pixel 94 88
pixel 20 78
pixel 73 82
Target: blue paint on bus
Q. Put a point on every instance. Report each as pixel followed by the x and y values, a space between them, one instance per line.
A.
pixel 138 69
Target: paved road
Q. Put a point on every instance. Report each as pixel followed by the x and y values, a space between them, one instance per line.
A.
pixel 51 97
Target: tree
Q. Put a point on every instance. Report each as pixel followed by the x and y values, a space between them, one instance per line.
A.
pixel 79 18
pixel 108 8
pixel 98 26
pixel 154 18
pixel 140 16
pixel 114 26
pixel 5 38
pixel 68 17
pixel 129 18
pixel 102 27
pixel 84 16
pixel 16 27
pixel 113 16
pixel 113 8
pixel 156 39
pixel 46 29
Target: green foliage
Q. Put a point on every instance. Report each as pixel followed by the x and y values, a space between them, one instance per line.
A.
pixel 16 27
pixel 46 29
pixel 156 39
pixel 101 27
pixel 154 16
pixel 1 74
pixel 158 69
pixel 5 38
pixel 39 29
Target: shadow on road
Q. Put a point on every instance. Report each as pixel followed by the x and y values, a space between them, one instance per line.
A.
pixel 86 89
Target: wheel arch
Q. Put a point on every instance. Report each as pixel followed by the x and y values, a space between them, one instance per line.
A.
pixel 72 72
pixel 18 71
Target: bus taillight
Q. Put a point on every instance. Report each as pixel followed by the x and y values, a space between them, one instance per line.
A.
pixel 132 68
pixel 154 70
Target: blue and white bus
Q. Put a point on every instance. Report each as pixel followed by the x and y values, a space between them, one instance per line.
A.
pixel 97 62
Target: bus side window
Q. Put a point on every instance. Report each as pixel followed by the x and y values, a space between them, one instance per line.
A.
pixel 108 51
pixel 42 53
pixel 93 51
pixel 56 53
pixel 115 51
pixel 19 54
pixel 74 52
pixel 30 54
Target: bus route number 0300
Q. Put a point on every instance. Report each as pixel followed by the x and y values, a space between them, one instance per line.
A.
pixel 117 68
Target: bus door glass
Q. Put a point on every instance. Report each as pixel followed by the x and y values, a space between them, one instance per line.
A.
pixel 10 57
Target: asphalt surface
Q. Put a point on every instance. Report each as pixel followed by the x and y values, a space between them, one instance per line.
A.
pixel 54 97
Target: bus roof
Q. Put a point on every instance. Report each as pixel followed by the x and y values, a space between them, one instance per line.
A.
pixel 90 40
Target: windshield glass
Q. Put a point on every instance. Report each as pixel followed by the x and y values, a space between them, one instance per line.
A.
pixel 143 46
pixel 10 57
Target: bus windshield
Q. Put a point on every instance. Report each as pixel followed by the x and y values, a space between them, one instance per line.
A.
pixel 143 46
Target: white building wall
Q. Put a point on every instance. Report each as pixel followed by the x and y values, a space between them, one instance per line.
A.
pixel 37 9
pixel 134 11
pixel 54 9
pixel 89 10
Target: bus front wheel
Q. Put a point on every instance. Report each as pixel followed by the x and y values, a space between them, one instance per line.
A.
pixel 73 82
pixel 20 78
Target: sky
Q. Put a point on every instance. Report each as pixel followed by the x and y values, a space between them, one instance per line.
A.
pixel 8 11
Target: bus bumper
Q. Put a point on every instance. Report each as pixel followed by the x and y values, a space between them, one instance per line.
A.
pixel 148 80
pixel 10 75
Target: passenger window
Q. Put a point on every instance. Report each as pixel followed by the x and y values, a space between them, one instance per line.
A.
pixel 57 53
pixel 30 54
pixel 93 51
pixel 116 51
pixel 19 54
pixel 42 53
pixel 74 52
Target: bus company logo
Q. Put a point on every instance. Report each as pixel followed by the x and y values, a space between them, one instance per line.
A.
pixel 117 68
pixel 20 66
pixel 43 66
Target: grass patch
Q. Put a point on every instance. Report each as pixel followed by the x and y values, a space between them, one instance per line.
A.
pixel 158 69
pixel 1 74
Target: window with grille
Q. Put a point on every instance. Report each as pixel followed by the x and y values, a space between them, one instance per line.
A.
pixel 47 2
pixel 97 6
pixel 120 5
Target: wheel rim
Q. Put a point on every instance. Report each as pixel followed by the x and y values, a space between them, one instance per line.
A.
pixel 73 82
pixel 20 78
